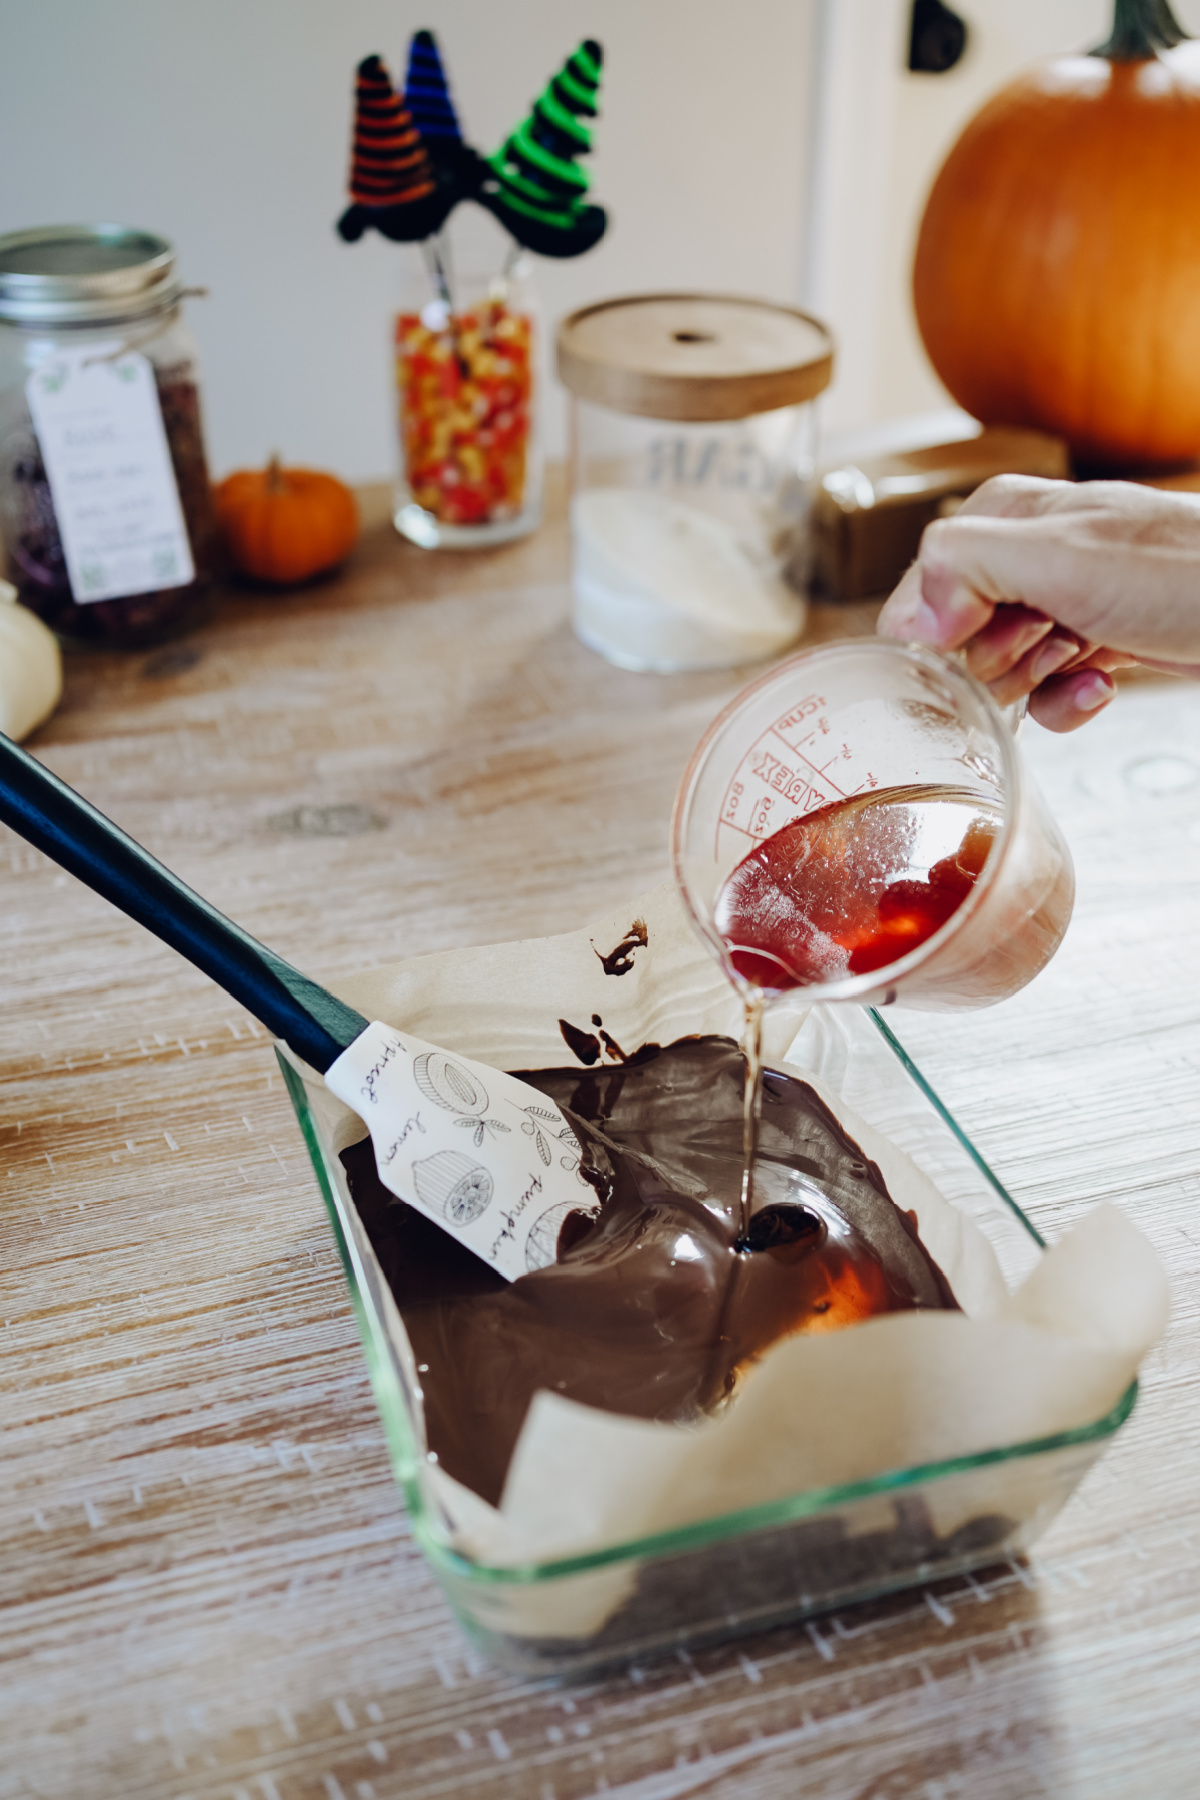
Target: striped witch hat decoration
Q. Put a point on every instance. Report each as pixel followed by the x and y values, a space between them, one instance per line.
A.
pixel 427 97
pixel 427 93
pixel 537 188
pixel 393 184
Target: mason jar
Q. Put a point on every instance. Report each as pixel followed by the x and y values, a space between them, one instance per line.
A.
pixel 105 508
pixel 468 404
pixel 692 452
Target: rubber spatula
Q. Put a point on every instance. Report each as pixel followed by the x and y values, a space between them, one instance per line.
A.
pixel 491 1160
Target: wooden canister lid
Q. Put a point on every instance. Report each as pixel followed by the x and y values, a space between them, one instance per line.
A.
pixel 693 356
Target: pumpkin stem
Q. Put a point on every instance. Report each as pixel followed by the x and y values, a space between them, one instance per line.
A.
pixel 1141 28
pixel 274 474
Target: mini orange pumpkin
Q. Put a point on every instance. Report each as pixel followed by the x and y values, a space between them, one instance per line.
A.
pixel 1057 272
pixel 283 525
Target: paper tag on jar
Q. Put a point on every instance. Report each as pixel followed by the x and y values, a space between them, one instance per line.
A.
pixel 490 1160
pixel 100 429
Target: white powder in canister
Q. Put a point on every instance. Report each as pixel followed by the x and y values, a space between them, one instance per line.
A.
pixel 660 585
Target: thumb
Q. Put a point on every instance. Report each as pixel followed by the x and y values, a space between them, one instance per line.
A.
pixel 907 615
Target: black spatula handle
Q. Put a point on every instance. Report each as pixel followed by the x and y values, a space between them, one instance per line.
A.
pixel 60 823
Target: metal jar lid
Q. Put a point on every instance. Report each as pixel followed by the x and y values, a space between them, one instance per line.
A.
pixel 694 356
pixel 85 274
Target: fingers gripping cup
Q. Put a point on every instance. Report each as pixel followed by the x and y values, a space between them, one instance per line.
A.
pixel 858 823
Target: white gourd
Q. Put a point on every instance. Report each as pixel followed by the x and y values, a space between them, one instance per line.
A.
pixel 30 668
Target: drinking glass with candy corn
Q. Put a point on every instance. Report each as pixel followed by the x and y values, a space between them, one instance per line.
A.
pixel 465 391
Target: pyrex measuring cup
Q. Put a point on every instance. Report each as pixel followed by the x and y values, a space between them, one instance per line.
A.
pixel 848 719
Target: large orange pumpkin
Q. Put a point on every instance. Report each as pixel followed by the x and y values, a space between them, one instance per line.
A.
pixel 1057 273
pixel 284 525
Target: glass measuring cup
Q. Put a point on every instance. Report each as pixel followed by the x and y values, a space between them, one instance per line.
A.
pixel 852 719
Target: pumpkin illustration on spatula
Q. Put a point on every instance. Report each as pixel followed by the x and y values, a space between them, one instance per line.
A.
pixel 454 1088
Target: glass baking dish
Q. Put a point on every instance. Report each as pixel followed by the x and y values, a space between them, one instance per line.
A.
pixel 784 1561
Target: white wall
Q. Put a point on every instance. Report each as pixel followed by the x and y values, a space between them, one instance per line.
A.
pixel 225 124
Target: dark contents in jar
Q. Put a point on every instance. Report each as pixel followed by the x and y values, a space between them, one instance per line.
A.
pixel 37 565
pixel 650 1309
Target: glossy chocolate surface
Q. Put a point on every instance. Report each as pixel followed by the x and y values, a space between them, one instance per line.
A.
pixel 650 1310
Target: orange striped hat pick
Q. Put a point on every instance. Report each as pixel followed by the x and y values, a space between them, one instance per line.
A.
pixel 390 165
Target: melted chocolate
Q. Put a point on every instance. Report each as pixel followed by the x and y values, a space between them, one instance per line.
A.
pixel 620 960
pixel 651 1309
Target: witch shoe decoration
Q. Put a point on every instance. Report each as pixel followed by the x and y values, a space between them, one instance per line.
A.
pixel 394 186
pixel 536 187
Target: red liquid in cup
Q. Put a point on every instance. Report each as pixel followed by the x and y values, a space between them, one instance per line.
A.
pixel 854 886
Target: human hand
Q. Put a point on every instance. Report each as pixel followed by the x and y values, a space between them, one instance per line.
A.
pixel 1050 585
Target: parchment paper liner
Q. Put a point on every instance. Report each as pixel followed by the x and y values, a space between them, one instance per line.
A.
pixel 903 1390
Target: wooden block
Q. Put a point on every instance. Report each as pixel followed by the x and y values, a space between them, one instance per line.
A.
pixel 868 515
pixel 1183 481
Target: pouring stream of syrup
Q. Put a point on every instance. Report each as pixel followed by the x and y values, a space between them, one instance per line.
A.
pixel 845 890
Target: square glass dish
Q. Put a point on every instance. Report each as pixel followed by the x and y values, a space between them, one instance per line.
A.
pixel 770 1564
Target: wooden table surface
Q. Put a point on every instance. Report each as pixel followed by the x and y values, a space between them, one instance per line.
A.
pixel 208 1590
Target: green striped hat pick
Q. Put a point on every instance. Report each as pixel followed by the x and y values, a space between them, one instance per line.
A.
pixel 536 187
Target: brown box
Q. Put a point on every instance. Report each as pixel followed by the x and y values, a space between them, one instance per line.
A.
pixel 868 515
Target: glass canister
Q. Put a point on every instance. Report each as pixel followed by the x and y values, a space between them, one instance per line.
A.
pixel 693 444
pixel 105 508
pixel 468 405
